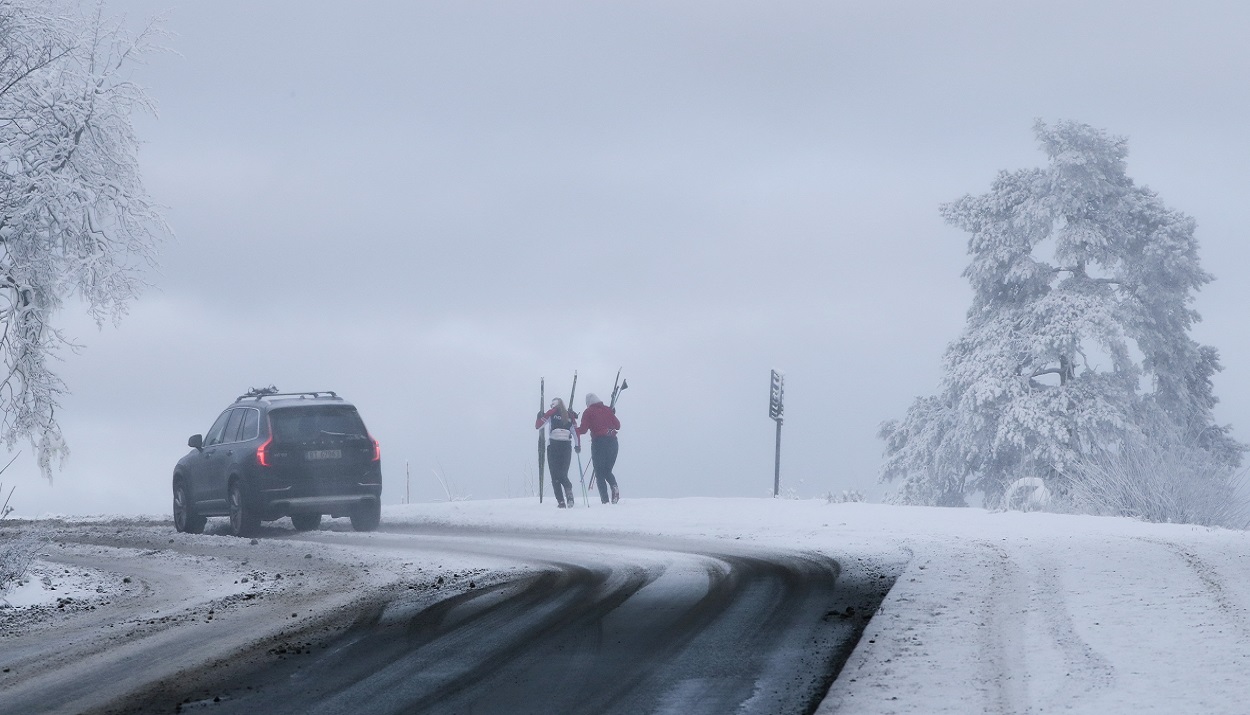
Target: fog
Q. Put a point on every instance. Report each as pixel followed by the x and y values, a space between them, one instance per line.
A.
pixel 427 207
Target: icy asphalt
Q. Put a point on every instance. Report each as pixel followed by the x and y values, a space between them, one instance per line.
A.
pixel 436 619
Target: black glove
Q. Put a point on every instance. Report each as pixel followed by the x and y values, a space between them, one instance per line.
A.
pixel 578 449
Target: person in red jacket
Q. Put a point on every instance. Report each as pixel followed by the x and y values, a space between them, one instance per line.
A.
pixel 560 440
pixel 601 422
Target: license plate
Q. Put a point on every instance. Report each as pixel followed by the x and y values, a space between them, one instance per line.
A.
pixel 324 454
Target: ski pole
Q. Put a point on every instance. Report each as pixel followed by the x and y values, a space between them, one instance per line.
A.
pixel 581 475
pixel 569 406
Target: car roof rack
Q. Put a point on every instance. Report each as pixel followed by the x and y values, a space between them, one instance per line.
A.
pixel 260 393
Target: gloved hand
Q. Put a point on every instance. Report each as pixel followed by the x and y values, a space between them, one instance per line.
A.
pixel 541 414
pixel 578 449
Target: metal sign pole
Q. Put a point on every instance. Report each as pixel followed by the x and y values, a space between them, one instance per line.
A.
pixel 777 465
pixel 776 410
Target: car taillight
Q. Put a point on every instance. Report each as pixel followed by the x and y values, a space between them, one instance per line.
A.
pixel 377 450
pixel 262 453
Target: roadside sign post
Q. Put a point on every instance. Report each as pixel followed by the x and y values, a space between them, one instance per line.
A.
pixel 776 410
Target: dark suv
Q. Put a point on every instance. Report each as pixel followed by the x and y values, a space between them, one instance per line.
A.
pixel 273 454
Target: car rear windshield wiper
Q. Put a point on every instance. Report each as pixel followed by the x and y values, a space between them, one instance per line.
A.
pixel 342 434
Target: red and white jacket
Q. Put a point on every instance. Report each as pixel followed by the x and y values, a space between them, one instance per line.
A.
pixel 561 430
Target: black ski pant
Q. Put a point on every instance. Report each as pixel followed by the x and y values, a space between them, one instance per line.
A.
pixel 603 455
pixel 559 454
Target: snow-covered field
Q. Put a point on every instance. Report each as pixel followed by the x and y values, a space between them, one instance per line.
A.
pixel 991 612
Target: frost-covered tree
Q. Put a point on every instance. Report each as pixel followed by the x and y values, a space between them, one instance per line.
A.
pixel 75 219
pixel 1077 340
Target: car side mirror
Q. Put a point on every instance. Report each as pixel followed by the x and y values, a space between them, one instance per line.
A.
pixel 196 441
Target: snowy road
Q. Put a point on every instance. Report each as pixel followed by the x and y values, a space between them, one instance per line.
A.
pixel 374 624
pixel 989 612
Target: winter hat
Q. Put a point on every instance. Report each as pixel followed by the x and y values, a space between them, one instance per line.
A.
pixel 592 399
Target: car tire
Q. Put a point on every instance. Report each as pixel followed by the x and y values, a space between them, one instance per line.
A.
pixel 186 521
pixel 306 522
pixel 243 519
pixel 367 516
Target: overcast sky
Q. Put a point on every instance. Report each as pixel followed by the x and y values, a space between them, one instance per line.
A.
pixel 427 206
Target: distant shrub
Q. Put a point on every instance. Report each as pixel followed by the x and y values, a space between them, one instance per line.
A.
pixel 1168 479
pixel 18 548
pixel 843 497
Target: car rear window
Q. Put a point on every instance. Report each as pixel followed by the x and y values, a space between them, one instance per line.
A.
pixel 308 424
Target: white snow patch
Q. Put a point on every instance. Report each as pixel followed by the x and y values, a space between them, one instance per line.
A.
pixel 47 583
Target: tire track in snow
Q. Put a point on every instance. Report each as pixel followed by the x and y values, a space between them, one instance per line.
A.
pixel 1002 640
pixel 1086 670
pixel 1212 583
pixel 1036 594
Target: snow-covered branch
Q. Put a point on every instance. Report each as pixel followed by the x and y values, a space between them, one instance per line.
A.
pixel 75 218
